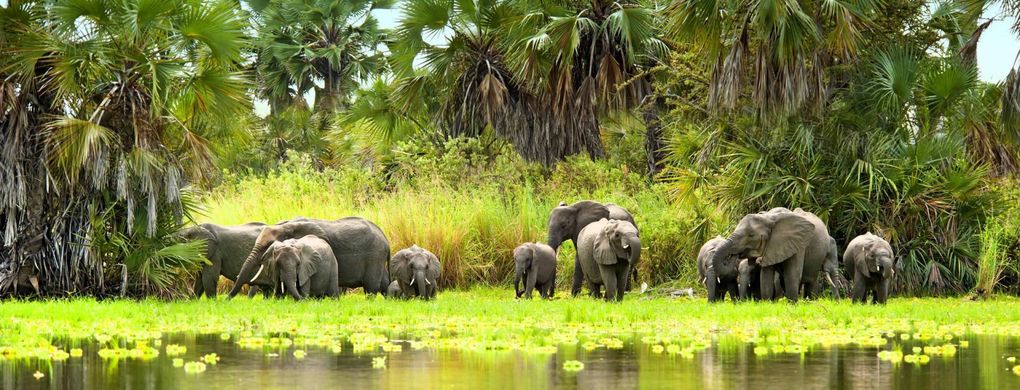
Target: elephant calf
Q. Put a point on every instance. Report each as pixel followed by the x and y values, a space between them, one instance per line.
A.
pixel 606 250
pixel 870 261
pixel 303 267
pixel 416 272
pixel 718 280
pixel 535 263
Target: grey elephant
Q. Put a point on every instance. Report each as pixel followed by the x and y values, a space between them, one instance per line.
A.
pixel 749 281
pixel 606 250
pixel 226 247
pixel 830 269
pixel 303 268
pixel 361 250
pixel 870 261
pixel 718 280
pixel 417 272
pixel 394 290
pixel 535 264
pixel 793 243
pixel 566 222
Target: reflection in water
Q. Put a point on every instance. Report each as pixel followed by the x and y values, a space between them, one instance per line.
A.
pixel 723 365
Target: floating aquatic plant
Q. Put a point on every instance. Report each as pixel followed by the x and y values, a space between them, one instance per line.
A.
pixel 194 367
pixel 573 365
pixel 210 359
pixel 379 362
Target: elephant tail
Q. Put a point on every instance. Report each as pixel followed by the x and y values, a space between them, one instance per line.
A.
pixel 384 289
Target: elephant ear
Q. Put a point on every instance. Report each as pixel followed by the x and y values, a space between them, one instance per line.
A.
pixel 398 264
pixel 790 234
pixel 435 268
pixel 603 251
pixel 308 264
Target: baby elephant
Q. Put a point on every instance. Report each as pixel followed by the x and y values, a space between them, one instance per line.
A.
pixel 535 263
pixel 416 272
pixel 304 266
pixel 870 261
pixel 717 281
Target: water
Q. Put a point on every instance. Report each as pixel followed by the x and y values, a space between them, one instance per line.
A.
pixel 982 365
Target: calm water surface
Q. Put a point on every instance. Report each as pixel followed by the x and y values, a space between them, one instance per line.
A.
pixel 982 365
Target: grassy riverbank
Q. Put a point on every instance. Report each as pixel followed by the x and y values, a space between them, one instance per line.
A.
pixel 488 319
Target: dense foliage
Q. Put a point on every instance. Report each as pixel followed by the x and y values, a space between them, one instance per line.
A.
pixel 690 113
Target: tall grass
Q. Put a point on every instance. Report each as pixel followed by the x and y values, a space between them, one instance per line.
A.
pixel 474 222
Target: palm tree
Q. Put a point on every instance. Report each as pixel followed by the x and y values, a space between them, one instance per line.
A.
pixel 132 91
pixel 542 80
pixel 776 49
pixel 320 45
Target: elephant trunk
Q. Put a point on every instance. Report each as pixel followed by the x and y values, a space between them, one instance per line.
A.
pixel 554 241
pixel 722 252
pixel 290 283
pixel 835 288
pixel 250 265
pixel 422 283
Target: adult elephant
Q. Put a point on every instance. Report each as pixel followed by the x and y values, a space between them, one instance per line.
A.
pixel 718 280
pixel 566 222
pixel 359 246
pixel 226 247
pixel 794 243
pixel 870 261
pixel 606 249
pixel 304 267
pixel 416 271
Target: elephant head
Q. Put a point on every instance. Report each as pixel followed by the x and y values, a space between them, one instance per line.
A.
pixel 566 221
pixel 416 269
pixel 293 266
pixel 769 238
pixel 617 240
pixel 280 232
pixel 524 266
pixel 876 257
pixel 198 233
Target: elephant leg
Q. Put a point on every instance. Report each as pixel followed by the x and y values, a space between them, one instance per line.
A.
pixel 712 285
pixel 210 276
pixel 882 291
pixel 252 290
pixel 734 291
pixel 810 290
pixel 792 273
pixel 622 276
pixel 594 290
pixel 860 293
pixel 575 285
pixel 609 280
pixel 767 289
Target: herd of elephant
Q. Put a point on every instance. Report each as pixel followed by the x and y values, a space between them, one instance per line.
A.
pixel 304 257
pixel 782 253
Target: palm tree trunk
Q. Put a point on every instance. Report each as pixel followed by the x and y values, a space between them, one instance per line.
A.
pixel 653 138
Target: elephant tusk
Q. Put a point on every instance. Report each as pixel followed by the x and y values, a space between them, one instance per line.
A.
pixel 625 245
pixel 412 281
pixel 427 282
pixel 718 280
pixel 257 273
pixel 829 278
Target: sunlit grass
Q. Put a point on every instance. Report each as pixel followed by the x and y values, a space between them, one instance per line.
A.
pixel 491 319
